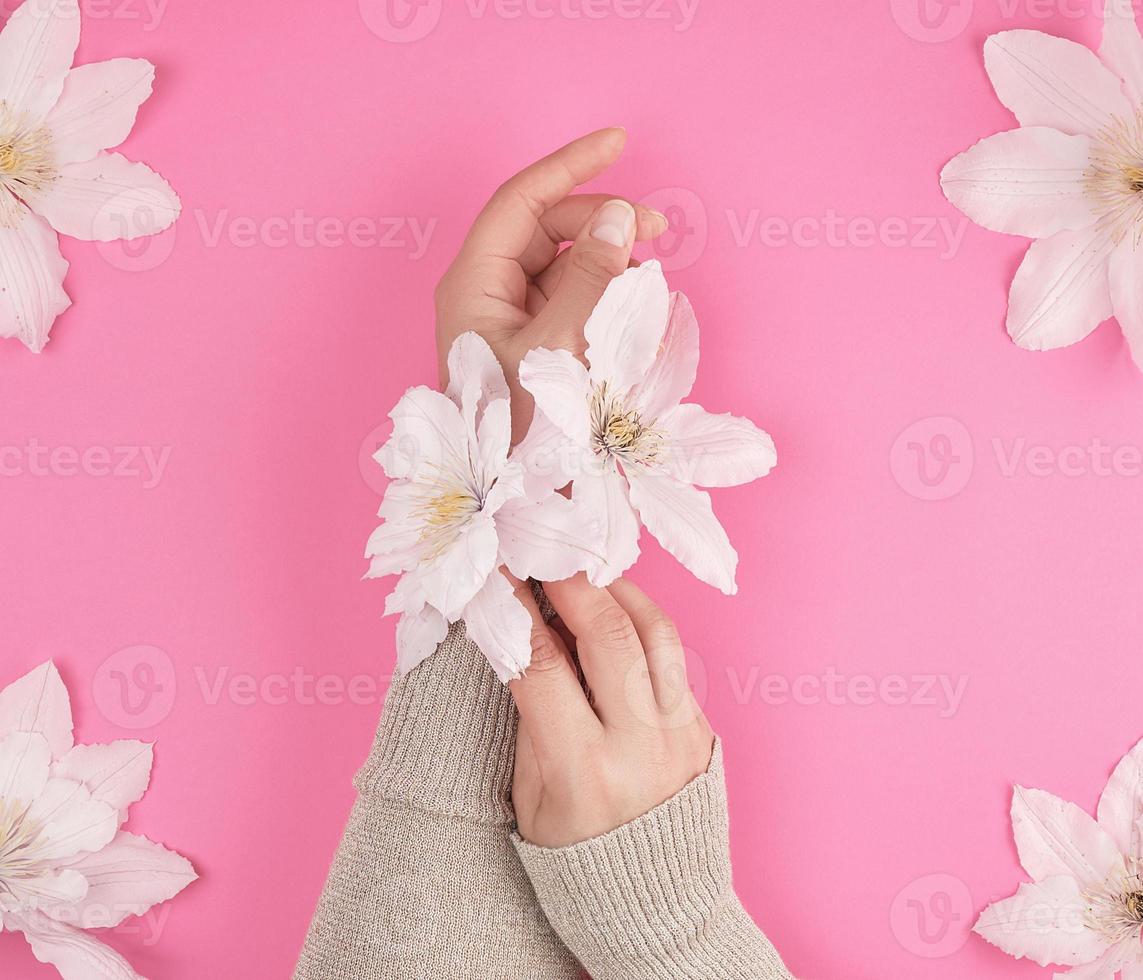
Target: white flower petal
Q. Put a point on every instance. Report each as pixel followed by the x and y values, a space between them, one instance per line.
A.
pixel 396 545
pixel 1132 971
pixel 98 107
pixel 75 954
pixel 25 763
pixel 38 702
pixel 470 359
pixel 125 878
pixel 560 385
pixel 451 579
pixel 32 272
pixel 1047 81
pixel 42 891
pixel 1125 279
pixel 106 199
pixel 71 821
pixel 1122 47
pixel 1024 182
pixel 419 634
pixel 682 520
pixel 626 327
pixel 36 49
pixel 1121 803
pixel 672 375
pixel 494 436
pixel 117 773
pixel 1104 967
pixel 1044 922
pixel 499 624
pixel 603 493
pixel 1060 293
pixel 548 540
pixel 545 454
pixel 428 434
pixel 714 450
pixel 1054 837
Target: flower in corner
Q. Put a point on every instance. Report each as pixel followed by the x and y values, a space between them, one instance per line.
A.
pixel 65 863
pixel 457 511
pixel 1084 905
pixel 56 122
pixel 1071 177
pixel 618 431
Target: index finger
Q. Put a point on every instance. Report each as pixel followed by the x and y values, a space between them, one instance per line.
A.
pixel 553 707
pixel 506 225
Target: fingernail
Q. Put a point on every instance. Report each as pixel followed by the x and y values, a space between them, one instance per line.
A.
pixel 614 224
pixel 660 218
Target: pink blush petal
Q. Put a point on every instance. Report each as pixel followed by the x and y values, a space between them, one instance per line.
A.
pixel 32 271
pixel 1024 182
pixel 38 702
pixel 1122 47
pixel 1125 279
pixel 98 107
pixel 1055 837
pixel 1060 293
pixel 107 199
pixel 36 48
pixel 498 623
pixel 672 375
pixel 1047 81
pixel 625 329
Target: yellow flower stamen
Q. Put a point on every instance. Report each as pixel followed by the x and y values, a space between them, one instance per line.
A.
pixel 619 431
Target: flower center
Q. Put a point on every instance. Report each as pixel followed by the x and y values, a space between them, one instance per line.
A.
pixel 444 510
pixel 26 162
pixel 1115 910
pixel 17 835
pixel 1115 178
pixel 619 431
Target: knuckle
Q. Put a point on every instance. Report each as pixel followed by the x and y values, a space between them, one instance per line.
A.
pixel 592 267
pixel 663 632
pixel 546 654
pixel 611 627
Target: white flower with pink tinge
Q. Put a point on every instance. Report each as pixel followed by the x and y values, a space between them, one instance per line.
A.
pixel 65 864
pixel 1084 906
pixel 457 511
pixel 617 429
pixel 56 122
pixel 1071 177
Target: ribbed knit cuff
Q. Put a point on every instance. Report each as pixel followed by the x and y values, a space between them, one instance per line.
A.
pixel 447 738
pixel 653 900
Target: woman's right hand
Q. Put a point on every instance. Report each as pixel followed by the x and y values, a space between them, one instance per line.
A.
pixel 586 767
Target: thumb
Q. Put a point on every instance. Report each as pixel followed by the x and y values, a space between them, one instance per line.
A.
pixel 600 253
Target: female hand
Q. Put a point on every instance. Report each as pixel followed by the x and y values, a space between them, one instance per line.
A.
pixel 585 768
pixel 512 284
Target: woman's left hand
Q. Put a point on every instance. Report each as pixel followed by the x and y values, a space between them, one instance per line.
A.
pixel 512 284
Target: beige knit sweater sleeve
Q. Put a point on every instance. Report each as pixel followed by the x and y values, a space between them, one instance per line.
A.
pixel 430 881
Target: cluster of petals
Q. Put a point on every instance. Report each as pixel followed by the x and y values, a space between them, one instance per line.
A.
pixel 66 863
pixel 612 448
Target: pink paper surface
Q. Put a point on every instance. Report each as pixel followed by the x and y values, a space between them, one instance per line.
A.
pixel 949 514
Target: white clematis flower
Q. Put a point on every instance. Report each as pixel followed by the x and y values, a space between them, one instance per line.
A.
pixel 1084 906
pixel 55 124
pixel 616 428
pixel 457 511
pixel 1071 177
pixel 65 865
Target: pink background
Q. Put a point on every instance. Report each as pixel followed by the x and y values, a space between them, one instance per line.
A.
pixel 867 836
